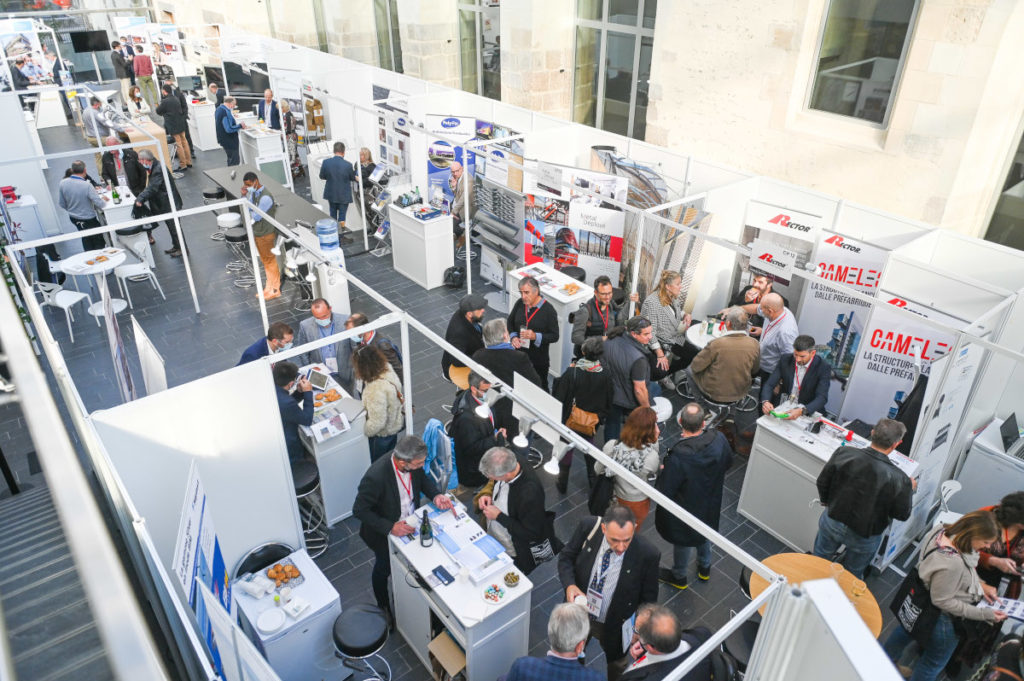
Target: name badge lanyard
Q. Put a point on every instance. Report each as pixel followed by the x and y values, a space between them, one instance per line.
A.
pixel 605 318
pixel 529 317
pixel 401 480
pixel 772 326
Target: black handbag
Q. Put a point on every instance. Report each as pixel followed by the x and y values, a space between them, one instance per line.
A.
pixel 912 605
pixel 551 546
pixel 601 494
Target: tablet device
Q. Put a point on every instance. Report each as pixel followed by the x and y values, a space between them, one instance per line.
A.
pixel 318 380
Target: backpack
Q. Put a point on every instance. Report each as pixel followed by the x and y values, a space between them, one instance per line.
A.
pixel 454 277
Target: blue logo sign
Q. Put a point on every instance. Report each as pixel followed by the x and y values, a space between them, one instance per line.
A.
pixel 450 123
pixel 401 122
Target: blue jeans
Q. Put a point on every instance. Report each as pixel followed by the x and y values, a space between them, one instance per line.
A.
pixel 681 558
pixel 613 424
pixel 381 445
pixel 233 157
pixel 934 656
pixel 337 210
pixel 859 550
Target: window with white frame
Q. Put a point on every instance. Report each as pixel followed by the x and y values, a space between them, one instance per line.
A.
pixel 860 57
pixel 614 42
pixel 389 43
pixel 480 47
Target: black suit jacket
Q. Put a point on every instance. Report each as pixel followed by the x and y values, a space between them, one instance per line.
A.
pixel 504 363
pixel 378 505
pixel 526 520
pixel 813 390
pixel 545 322
pixel 156 193
pixel 135 173
pixel 464 336
pixel 659 670
pixel 638 580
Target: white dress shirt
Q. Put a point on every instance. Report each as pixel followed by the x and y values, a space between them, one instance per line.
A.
pixel 611 578
pixel 499 497
pixel 652 658
pixel 405 500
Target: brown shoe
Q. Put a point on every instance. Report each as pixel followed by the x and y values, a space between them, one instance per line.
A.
pixel 174 252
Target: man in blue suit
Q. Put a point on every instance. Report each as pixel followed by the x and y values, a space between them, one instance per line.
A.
pixel 339 176
pixel 568 629
pixel 227 130
pixel 268 111
pixel 286 376
pixel 806 371
pixel 279 337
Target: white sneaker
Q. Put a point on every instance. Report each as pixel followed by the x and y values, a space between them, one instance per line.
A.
pixel 667 383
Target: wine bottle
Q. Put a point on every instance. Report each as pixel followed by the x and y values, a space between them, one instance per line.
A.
pixel 426 531
pixel 115 196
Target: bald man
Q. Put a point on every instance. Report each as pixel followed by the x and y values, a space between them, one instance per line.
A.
pixel 778 333
pixel 660 645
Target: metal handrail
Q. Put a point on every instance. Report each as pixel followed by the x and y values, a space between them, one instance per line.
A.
pixel 112 601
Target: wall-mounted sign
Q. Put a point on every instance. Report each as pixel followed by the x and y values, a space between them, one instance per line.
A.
pixel 784 221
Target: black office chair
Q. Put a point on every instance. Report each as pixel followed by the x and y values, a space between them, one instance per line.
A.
pixel 360 633
pixel 740 643
pixel 261 557
pixel 577 273
pixel 723 666
pixel 745 581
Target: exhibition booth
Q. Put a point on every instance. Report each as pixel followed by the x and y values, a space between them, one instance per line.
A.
pixel 917 324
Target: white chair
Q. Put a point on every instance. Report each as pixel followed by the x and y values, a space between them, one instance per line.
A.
pixel 56 267
pixel 55 295
pixel 139 269
pixel 947 490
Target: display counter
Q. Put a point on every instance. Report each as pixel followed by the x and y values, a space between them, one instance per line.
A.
pixel 202 124
pixel 779 487
pixel 421 249
pixel 258 142
pixel 492 634
pixel 49 110
pixel 552 289
pixel 298 647
pixel 341 457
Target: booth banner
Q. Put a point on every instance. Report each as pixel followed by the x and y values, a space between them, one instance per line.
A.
pixel 197 557
pixel 784 221
pixel 122 372
pixel 442 153
pixel 832 317
pixel 893 344
pixel 772 259
pixel 18 38
pixel 313 114
pixel 948 391
pixel 241 661
pixel 154 376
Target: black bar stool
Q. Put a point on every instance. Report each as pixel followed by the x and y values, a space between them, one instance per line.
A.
pixel 577 273
pixel 360 633
pixel 238 242
pixel 215 195
pixel 306 476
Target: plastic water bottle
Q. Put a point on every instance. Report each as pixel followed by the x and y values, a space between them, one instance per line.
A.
pixel 327 233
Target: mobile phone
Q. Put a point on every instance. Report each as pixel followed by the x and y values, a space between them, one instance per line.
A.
pixel 442 574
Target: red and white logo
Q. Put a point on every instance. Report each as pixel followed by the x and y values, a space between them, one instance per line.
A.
pixel 767 257
pixel 837 240
pixel 783 220
pixel 898 302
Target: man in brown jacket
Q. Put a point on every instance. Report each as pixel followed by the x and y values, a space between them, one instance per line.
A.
pixel 724 369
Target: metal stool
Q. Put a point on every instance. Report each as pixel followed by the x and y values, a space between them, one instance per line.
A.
pixel 360 633
pixel 303 287
pixel 215 195
pixel 238 241
pixel 306 476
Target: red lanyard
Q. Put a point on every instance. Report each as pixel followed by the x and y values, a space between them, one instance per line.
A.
pixel 407 488
pixel 604 317
pixel 529 317
pixel 773 325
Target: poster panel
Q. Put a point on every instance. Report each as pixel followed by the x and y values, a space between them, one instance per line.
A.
pixel 892 345
pixel 241 660
pixel 443 153
pixel 154 375
pixel 122 372
pixel 832 317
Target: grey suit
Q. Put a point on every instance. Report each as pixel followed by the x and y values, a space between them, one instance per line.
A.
pixel 309 332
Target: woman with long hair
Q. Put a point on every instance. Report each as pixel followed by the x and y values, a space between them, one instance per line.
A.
pixel 382 399
pixel 137 106
pixel 637 451
pixel 586 385
pixel 949 556
pixel 663 307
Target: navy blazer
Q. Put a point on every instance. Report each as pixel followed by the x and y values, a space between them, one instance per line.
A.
pixel 339 175
pixel 223 121
pixel 254 352
pixel 550 668
pixel 293 416
pixel 814 389
pixel 274 119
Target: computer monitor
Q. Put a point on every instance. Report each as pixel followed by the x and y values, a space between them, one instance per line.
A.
pixel 187 83
pixel 1010 432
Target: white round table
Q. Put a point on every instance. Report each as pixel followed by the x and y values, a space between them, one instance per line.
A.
pixel 698 336
pixel 78 264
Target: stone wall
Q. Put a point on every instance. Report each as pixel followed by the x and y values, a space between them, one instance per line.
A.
pixel 430 40
pixel 537 55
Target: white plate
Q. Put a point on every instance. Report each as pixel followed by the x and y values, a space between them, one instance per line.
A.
pixel 504 594
pixel 271 620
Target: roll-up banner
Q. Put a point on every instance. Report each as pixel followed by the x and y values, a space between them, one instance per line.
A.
pixel 833 318
pixel 893 345
pixel 442 153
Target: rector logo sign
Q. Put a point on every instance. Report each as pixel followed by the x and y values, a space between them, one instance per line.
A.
pixel 771 259
pixel 839 242
pixel 783 220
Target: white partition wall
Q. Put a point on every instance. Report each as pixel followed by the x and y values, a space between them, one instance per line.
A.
pixel 230 425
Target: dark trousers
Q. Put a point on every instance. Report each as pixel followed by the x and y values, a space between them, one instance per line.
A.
pixel 233 158
pixel 542 371
pixel 381 574
pixel 43 272
pixel 174 234
pixel 617 660
pixel 613 424
pixel 381 445
pixel 337 210
pixel 89 243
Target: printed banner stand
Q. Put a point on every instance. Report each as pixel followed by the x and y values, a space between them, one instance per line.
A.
pixel 154 375
pixel 242 662
pixel 117 352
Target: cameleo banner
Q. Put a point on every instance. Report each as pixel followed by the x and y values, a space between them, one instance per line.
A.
pixel 784 221
pixel 832 317
pixel 892 347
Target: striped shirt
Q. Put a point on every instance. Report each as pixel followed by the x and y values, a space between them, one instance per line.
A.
pixel 665 319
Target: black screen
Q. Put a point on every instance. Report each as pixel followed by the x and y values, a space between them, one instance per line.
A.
pixel 89 41
pixel 213 74
pixel 1009 431
pixel 241 82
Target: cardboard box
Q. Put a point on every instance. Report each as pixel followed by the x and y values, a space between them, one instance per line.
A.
pixel 447 658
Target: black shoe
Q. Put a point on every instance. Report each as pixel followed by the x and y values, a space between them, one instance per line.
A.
pixel 665 576
pixel 703 572
pixel 174 252
pixel 562 483
pixel 172 249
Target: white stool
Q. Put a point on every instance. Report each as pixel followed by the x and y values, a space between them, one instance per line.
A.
pixel 662 408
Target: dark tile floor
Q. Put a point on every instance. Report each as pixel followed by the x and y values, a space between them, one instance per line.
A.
pixel 194 345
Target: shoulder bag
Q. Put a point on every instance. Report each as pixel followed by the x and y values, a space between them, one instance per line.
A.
pixel 912 605
pixel 580 420
pixel 601 493
pixel 551 545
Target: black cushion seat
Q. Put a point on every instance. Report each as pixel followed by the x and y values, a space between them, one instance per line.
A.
pixel 214 193
pixel 577 273
pixel 360 631
pixel 306 476
pixel 235 235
